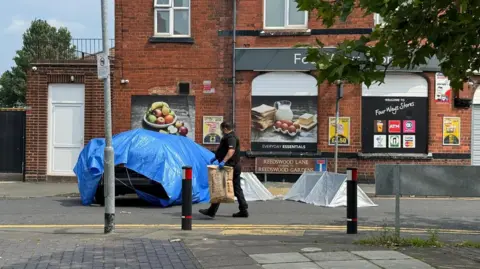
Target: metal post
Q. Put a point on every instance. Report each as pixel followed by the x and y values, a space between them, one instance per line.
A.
pixel 187 198
pixel 109 171
pixel 337 116
pixel 396 177
pixel 351 200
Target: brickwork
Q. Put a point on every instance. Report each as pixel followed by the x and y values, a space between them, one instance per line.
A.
pixel 37 113
pixel 157 68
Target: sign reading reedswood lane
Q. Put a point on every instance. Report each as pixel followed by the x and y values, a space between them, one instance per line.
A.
pixel 289 166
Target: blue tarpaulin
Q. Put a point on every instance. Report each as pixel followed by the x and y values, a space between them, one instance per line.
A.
pixel 159 157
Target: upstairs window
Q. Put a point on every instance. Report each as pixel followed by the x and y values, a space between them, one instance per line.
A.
pixel 283 14
pixel 377 19
pixel 172 18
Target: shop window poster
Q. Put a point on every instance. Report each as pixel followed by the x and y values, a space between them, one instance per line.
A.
pixel 394 124
pixel 443 91
pixel 343 131
pixel 212 133
pixel 169 114
pixel 284 123
pixel 451 131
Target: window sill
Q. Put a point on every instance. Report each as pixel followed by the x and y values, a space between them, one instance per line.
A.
pixel 285 32
pixel 169 39
pixel 395 156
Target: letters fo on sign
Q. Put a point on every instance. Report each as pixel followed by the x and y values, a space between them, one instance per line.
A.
pixel 103 66
pixel 287 166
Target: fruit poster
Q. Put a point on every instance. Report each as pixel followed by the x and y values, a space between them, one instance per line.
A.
pixel 343 131
pixel 451 131
pixel 443 91
pixel 169 114
pixel 212 133
pixel 284 123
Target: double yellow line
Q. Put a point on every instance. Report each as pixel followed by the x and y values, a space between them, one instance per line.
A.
pixel 235 228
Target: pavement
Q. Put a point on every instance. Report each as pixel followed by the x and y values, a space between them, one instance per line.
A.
pixel 172 249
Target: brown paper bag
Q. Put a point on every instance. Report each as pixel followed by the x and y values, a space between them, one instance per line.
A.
pixel 221 184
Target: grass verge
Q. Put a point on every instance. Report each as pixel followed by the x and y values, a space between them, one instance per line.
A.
pixel 387 238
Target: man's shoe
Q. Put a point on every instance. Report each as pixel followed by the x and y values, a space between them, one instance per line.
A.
pixel 206 212
pixel 241 214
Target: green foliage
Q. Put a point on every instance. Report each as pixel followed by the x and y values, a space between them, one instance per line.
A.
pixel 40 42
pixel 413 32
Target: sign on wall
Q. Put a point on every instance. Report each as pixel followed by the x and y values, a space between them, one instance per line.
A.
pixel 289 166
pixel 394 124
pixel 284 112
pixel 343 131
pixel 443 91
pixel 451 131
pixel 174 114
pixel 212 133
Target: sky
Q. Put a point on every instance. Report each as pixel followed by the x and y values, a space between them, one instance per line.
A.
pixel 81 17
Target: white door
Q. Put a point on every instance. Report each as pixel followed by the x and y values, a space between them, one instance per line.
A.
pixel 66 106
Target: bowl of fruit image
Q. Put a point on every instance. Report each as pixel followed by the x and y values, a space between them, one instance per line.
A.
pixel 178 128
pixel 286 127
pixel 160 116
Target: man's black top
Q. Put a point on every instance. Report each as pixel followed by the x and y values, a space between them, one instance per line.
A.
pixel 229 141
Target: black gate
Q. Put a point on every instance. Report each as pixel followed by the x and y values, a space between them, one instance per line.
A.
pixel 12 141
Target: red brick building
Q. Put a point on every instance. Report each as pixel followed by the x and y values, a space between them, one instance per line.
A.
pixel 176 50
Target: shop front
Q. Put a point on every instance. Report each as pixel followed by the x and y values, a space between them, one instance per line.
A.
pixel 293 117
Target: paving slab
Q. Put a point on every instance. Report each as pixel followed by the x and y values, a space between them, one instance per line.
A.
pixel 402 264
pixel 225 261
pixel 332 256
pixel 381 255
pixel 361 264
pixel 279 258
pixel 297 265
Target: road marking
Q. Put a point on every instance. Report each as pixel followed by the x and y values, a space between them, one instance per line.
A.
pixel 332 228
pixel 263 232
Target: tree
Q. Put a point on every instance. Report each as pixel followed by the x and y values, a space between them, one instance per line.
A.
pixel 413 32
pixel 40 42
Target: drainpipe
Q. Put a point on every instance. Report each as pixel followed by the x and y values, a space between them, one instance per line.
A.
pixel 234 44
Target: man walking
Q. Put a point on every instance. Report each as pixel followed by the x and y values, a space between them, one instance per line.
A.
pixel 228 154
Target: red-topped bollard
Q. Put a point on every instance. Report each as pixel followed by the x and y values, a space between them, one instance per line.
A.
pixel 352 200
pixel 187 198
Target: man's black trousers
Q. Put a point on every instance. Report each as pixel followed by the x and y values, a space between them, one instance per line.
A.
pixel 237 189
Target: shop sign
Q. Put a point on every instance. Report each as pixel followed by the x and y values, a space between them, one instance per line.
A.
pixel 394 124
pixel 287 59
pixel 207 87
pixel 169 114
pixel 289 166
pixel 451 131
pixel 443 91
pixel 343 130
pixel 284 123
pixel 212 133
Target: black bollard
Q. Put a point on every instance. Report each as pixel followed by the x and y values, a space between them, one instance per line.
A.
pixel 352 200
pixel 187 198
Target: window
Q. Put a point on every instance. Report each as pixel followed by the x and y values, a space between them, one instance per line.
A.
pixel 377 19
pixel 172 18
pixel 184 88
pixel 283 14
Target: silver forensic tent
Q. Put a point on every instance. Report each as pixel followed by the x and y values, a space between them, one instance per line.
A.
pixel 325 189
pixel 253 189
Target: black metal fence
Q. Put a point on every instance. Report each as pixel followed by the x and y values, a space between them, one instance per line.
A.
pixel 77 49
pixel 12 141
